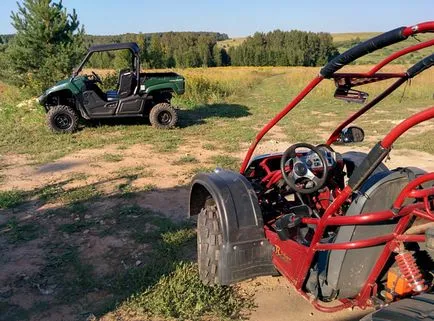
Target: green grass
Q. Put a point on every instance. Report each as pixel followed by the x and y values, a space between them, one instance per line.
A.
pixel 226 162
pixel 168 286
pixel 181 295
pixel 187 159
pixel 17 232
pixel 113 158
pixel 9 199
pixel 79 194
pixel 149 187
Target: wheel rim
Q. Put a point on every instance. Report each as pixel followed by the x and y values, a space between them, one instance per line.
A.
pixel 164 118
pixel 63 121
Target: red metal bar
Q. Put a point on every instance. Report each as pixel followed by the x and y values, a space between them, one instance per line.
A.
pixel 421 193
pixel 367 218
pixel 277 118
pixel 354 245
pixel 398 54
pixel 369 242
pixel 335 135
pixel 410 187
pixel 396 132
pixel 410 238
pixel 423 27
pixel 344 305
pixel 428 216
pixel 319 231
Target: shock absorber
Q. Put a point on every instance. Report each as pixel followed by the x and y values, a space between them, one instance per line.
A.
pixel 409 269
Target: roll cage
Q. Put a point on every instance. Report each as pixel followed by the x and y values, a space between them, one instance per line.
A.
pixel 346 81
pixel 131 46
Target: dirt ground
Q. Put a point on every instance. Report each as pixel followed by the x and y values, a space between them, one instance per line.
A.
pixel 22 263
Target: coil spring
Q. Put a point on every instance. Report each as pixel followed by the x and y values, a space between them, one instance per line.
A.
pixel 409 269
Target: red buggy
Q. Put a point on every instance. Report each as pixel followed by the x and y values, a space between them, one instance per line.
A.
pixel 340 227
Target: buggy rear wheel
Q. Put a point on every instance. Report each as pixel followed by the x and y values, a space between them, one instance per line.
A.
pixel 209 242
pixel 163 116
pixel 62 119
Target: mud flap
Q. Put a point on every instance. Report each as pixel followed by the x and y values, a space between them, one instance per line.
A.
pixel 245 252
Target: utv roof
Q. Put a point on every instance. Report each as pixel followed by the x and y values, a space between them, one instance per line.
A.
pixel 116 46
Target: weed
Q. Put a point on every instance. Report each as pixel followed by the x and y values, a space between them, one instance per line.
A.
pixel 50 193
pixel 17 232
pixel 201 169
pixel 9 199
pixel 77 226
pixel 209 146
pixel 79 194
pixel 226 162
pixel 149 188
pixel 187 159
pixel 112 157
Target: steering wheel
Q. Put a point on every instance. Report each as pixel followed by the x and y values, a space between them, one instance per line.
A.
pixel 96 77
pixel 300 171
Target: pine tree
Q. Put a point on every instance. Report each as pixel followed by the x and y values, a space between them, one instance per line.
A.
pixel 49 42
pixel 156 59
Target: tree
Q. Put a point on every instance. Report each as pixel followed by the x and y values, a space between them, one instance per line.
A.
pixel 48 43
pixel 156 59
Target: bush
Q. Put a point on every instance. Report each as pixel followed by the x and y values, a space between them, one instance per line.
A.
pixel 200 90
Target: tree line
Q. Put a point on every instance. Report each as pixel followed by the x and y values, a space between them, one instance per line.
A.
pixel 284 48
pixel 165 50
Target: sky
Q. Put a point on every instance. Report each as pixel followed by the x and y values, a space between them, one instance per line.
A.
pixel 238 18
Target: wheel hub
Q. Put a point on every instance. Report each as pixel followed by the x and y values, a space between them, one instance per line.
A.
pixel 63 121
pixel 164 118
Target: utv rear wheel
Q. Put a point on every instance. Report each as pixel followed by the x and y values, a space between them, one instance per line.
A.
pixel 209 242
pixel 163 116
pixel 62 119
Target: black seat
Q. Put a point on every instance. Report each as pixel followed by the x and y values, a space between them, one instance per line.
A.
pixel 125 86
pixel 348 270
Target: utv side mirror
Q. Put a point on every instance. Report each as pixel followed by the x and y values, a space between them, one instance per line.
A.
pixel 352 134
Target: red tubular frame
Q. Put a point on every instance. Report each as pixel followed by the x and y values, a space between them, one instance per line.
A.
pixel 408 31
pixel 297 270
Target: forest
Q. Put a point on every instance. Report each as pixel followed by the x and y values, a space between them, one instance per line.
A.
pixel 201 49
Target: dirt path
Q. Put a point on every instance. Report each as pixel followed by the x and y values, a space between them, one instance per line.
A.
pixel 165 177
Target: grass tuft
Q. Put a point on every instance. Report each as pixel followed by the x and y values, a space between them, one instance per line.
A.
pixel 9 199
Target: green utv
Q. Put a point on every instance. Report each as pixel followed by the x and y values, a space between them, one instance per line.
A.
pixel 136 95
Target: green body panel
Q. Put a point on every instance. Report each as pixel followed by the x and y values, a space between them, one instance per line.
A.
pixel 74 85
pixel 162 81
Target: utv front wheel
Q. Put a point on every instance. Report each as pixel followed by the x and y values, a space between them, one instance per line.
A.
pixel 163 116
pixel 209 242
pixel 62 119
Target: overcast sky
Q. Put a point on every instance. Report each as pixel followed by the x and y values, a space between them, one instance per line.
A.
pixel 238 18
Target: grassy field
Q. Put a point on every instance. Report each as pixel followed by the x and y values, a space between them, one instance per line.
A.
pixel 212 107
pixel 99 234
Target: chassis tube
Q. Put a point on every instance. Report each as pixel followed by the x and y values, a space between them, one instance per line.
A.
pixel 398 54
pixel 277 118
pixel 396 132
pixel 335 135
